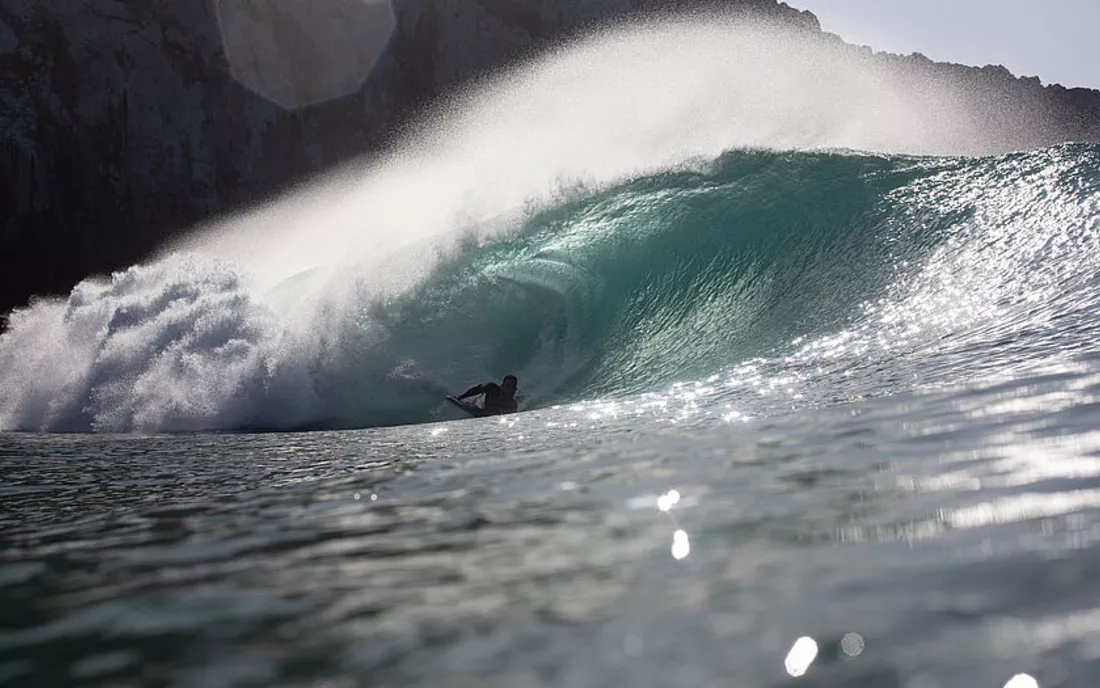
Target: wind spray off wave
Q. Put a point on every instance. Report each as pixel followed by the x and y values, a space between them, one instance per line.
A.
pixel 652 255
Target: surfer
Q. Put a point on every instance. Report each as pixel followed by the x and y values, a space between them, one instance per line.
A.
pixel 498 398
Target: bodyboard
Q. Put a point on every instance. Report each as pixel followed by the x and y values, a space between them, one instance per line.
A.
pixel 469 408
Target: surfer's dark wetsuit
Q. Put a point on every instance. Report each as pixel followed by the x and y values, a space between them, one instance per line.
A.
pixel 498 398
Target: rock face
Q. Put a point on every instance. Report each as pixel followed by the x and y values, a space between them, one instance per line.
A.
pixel 123 122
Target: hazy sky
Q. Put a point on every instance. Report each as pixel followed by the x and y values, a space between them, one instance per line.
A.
pixel 1056 40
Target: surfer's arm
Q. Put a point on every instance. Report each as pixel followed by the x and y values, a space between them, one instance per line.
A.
pixel 472 392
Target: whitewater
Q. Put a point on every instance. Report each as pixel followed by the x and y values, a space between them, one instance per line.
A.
pixel 809 383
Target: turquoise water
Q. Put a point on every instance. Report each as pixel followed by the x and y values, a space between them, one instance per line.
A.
pixel 819 418
pixel 795 261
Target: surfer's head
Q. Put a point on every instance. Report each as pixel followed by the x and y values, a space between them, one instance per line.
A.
pixel 509 384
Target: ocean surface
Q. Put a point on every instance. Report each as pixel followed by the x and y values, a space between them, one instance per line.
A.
pixel 797 418
pixel 806 415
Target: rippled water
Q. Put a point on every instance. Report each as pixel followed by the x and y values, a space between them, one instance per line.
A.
pixel 932 538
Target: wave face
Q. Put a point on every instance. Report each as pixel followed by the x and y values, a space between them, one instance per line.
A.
pixel 856 274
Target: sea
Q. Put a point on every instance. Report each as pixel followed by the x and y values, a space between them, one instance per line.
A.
pixel 791 415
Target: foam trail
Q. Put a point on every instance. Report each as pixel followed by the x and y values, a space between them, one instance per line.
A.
pixel 264 319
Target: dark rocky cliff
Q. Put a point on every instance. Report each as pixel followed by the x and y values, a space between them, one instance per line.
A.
pixel 122 123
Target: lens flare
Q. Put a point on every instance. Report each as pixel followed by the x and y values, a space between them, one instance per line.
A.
pixel 681 547
pixel 801 656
